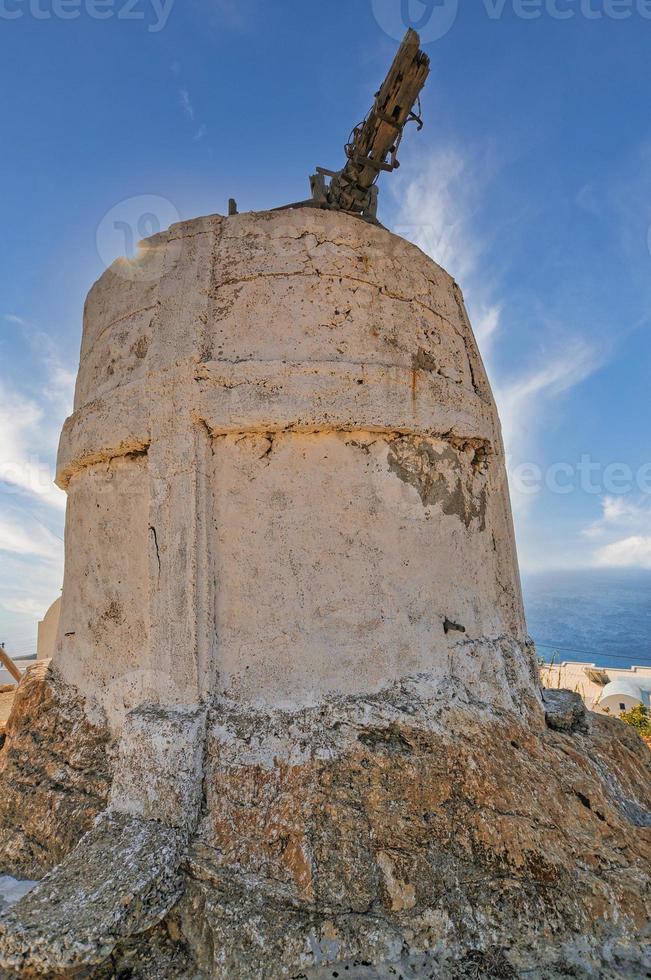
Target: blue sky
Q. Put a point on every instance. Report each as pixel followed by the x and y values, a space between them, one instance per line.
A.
pixel 531 183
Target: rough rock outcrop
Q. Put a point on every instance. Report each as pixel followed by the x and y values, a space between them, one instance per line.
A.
pixel 121 880
pixel 565 711
pixel 54 774
pixel 378 829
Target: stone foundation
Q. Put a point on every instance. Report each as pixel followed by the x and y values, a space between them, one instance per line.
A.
pixel 381 829
pixel 394 831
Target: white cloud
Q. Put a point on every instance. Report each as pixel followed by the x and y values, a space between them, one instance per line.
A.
pixel 633 552
pixel 188 108
pixel 434 210
pixel 185 103
pixel 33 608
pixel 623 512
pixel 18 320
pixel 26 441
pixel 29 583
pixel 31 416
pixel 37 541
pixel 30 422
pixel 486 324
pixel 632 518
pixel 525 400
pixel 620 513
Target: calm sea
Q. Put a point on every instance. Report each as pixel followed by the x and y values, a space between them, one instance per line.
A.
pixel 601 616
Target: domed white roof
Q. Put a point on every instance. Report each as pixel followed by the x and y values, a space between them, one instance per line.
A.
pixel 622 687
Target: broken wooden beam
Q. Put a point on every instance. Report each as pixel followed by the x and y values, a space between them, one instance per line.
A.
pixel 379 136
pixel 9 665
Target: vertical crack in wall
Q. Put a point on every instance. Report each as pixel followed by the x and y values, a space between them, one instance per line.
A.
pixel 152 531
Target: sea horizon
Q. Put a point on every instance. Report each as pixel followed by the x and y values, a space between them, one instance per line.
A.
pixel 601 616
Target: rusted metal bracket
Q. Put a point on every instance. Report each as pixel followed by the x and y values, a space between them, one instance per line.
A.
pixel 373 145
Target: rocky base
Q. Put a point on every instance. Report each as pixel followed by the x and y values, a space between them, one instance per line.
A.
pixel 375 831
pixel 402 834
pixel 54 775
pixel 120 881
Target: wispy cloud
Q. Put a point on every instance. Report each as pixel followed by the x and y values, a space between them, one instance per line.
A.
pixel 33 406
pixel 25 448
pixel 36 541
pixel 487 324
pixel 439 208
pixel 186 103
pixel 435 205
pixel 187 106
pixel 525 399
pixel 625 532
pixel 632 552
pixel 59 381
pixel 621 513
pixel 28 606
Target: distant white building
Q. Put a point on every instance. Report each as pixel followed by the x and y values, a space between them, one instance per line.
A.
pixel 47 631
pixel 47 634
pixel 609 690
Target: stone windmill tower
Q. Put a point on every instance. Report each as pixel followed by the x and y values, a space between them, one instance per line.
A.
pixel 292 669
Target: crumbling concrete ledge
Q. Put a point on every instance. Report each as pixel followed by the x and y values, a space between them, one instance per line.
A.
pixel 124 875
pixel 119 882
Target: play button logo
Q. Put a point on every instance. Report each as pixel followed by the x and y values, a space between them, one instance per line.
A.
pixel 431 18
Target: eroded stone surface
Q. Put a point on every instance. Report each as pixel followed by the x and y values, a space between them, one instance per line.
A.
pixel 159 768
pixel 54 774
pixel 386 828
pixel 288 508
pixel 119 882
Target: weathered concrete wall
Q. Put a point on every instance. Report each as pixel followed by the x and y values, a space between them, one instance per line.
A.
pixel 285 476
